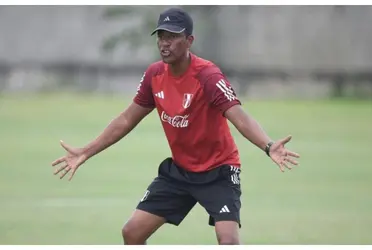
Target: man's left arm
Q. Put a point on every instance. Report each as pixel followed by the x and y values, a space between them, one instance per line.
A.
pixel 247 126
pixel 221 94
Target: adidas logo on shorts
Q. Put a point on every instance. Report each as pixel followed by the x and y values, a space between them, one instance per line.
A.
pixel 225 209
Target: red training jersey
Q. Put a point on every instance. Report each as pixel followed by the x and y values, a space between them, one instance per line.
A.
pixel 191 109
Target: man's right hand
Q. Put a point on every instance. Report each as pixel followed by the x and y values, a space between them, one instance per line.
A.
pixel 73 159
pixel 117 129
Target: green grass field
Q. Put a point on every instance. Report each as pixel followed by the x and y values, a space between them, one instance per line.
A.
pixel 326 200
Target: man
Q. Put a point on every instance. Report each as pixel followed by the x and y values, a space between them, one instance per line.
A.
pixel 194 101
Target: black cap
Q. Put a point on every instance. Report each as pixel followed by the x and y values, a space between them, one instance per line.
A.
pixel 175 20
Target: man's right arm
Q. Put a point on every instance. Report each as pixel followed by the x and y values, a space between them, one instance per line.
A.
pixel 117 129
pixel 143 103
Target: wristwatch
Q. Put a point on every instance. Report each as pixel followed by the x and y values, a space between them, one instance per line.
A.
pixel 267 148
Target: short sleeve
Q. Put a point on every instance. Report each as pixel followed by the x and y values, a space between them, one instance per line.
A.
pixel 218 90
pixel 144 95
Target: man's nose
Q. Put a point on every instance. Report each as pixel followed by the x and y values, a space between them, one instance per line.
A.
pixel 165 42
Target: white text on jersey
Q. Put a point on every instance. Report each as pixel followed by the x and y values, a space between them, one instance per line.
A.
pixel 177 121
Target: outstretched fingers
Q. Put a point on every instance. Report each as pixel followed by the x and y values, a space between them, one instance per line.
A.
pixel 286 165
pixel 72 174
pixel 286 139
pixel 293 154
pixel 65 146
pixel 281 167
pixel 58 161
pixel 60 169
pixel 291 161
pixel 64 172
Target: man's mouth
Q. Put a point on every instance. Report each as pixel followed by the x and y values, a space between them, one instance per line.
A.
pixel 165 52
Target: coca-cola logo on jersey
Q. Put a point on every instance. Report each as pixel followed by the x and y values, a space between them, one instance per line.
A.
pixel 176 121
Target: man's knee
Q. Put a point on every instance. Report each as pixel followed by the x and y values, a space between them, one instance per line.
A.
pixel 130 235
pixel 227 233
pixel 140 227
pixel 228 240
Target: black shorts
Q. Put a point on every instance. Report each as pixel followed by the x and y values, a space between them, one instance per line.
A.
pixel 175 191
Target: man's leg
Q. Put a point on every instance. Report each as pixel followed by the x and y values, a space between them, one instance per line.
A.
pixel 221 199
pixel 227 232
pixel 140 227
pixel 166 200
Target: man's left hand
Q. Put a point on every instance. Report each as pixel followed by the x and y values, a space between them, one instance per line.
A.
pixel 282 156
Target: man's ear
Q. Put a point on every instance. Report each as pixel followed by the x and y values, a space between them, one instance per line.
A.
pixel 190 40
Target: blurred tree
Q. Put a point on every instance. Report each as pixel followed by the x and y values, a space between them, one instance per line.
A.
pixel 132 36
pixel 144 19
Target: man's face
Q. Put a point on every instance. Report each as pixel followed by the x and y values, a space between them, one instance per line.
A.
pixel 173 46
